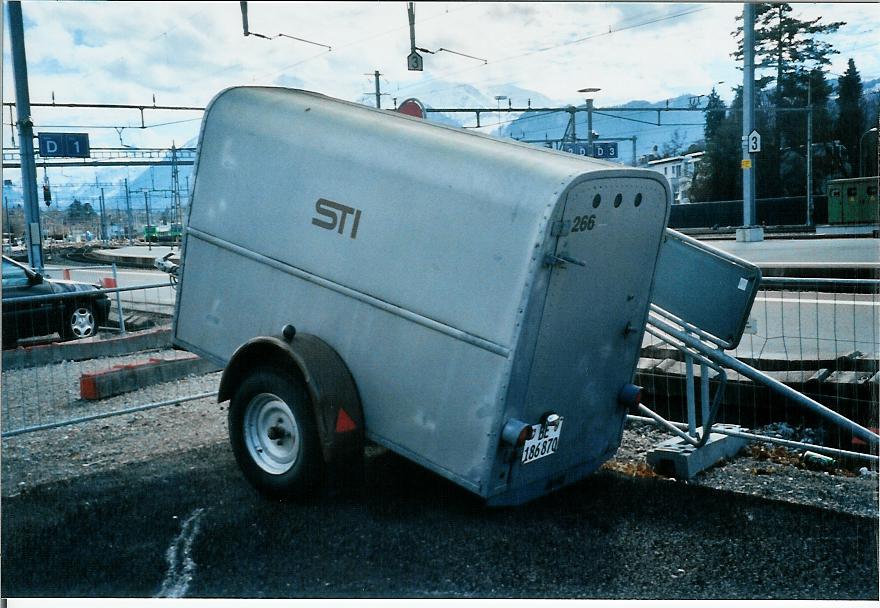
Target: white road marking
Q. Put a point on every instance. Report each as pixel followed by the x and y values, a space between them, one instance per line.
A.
pixel 816 301
pixel 181 567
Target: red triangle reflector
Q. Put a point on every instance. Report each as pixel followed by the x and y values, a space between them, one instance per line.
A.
pixel 344 423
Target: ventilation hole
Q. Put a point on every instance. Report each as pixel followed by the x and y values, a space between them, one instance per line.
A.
pixel 638 199
pixel 617 200
pixel 597 200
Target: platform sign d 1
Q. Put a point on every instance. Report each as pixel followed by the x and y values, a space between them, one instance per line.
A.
pixel 64 145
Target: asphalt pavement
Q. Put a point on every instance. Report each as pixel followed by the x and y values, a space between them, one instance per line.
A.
pixel 188 525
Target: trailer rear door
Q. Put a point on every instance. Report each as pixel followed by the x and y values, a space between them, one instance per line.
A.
pixel 593 320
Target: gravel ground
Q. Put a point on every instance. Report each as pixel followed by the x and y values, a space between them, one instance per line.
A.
pixel 37 458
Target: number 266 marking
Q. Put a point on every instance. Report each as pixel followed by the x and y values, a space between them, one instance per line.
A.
pixel 583 222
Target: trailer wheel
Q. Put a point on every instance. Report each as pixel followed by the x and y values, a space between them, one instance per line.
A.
pixel 273 434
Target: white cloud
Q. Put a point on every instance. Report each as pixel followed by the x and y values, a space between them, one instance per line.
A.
pixel 184 53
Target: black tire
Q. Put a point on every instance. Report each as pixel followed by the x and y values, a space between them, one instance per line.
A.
pixel 79 322
pixel 263 457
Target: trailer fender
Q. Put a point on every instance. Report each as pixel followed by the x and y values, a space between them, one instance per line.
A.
pixel 335 401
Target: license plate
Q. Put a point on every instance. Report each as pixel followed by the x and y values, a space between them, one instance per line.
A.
pixel 544 441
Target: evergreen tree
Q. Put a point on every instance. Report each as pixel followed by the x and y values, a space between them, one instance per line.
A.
pixel 88 213
pixel 718 175
pixel 786 43
pixel 716 114
pixel 793 50
pixel 75 212
pixel 851 115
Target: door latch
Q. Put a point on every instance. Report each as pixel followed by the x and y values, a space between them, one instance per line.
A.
pixel 561 260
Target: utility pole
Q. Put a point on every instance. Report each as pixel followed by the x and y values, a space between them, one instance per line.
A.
pixel 103 219
pixel 8 219
pixel 34 232
pixel 128 214
pixel 573 114
pixel 634 150
pixel 376 75
pixel 146 232
pixel 809 153
pixel 749 232
pixel 175 184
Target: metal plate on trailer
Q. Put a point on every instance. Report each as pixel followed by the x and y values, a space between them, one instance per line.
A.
pixel 705 287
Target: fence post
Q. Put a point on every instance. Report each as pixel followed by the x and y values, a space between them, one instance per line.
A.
pixel 704 394
pixel 119 302
pixel 691 404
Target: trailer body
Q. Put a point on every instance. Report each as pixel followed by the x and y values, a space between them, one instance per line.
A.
pixel 466 282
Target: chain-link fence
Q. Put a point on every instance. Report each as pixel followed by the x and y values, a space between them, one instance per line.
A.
pixel 81 342
pixel 817 336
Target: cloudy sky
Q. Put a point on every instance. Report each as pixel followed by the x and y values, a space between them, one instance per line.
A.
pixel 184 53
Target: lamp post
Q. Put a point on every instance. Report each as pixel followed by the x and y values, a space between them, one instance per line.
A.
pixel 862 156
pixel 589 101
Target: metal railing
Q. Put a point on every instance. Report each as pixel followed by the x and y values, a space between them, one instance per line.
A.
pixel 807 363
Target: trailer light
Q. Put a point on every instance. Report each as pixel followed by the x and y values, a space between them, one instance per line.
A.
pixel 630 396
pixel 516 432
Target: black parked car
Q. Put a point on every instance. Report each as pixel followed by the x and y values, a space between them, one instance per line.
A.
pixel 73 317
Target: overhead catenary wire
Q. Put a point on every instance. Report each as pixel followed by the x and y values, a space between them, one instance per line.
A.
pixel 382 34
pixel 611 31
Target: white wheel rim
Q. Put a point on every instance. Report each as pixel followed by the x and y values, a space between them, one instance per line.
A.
pixel 82 323
pixel 271 434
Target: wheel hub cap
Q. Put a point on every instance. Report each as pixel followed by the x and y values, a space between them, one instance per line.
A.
pixel 82 323
pixel 271 434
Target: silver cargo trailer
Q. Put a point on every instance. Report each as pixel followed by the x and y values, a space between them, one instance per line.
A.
pixel 476 305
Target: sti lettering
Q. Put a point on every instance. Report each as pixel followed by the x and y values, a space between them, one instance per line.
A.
pixel 336 213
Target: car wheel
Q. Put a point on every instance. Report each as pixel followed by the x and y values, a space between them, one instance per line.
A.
pixel 273 434
pixel 80 322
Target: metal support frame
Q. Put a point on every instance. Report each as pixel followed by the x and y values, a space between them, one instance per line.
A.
pixel 754 437
pixel 719 357
pixel 708 409
pixel 34 232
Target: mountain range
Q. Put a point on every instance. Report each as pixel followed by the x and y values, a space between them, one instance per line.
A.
pixel 678 128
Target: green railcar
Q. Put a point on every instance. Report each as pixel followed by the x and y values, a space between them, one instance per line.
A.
pixel 164 233
pixel 853 201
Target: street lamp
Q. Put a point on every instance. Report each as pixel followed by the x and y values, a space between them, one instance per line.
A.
pixel 589 101
pixel 862 156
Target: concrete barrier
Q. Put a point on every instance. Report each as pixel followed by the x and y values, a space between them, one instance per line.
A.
pixel 131 377
pixel 89 348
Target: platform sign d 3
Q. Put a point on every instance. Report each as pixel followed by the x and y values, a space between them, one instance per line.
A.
pixel 64 145
pixel 601 149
